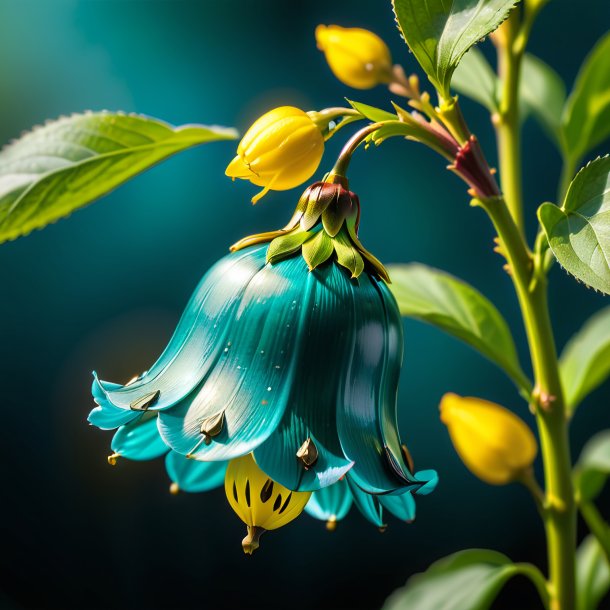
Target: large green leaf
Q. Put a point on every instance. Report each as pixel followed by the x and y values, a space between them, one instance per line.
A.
pixel 468 580
pixel 475 79
pixel 579 231
pixel 66 164
pixel 372 113
pixel 439 32
pixel 586 119
pixel 585 361
pixel 543 95
pixel 593 467
pixel 450 304
pixel 592 575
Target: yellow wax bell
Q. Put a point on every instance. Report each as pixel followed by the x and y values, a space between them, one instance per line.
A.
pixel 357 57
pixel 494 444
pixel 281 150
pixel 261 503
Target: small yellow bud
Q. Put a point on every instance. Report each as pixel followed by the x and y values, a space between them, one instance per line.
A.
pixel 494 444
pixel 261 503
pixel 357 57
pixel 281 150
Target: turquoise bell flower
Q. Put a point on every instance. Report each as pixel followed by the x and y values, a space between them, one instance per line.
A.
pixel 290 349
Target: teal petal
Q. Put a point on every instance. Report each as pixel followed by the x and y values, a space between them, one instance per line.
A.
pixel 252 380
pixel 139 439
pixel 429 478
pixel 106 416
pixel 198 341
pixel 311 412
pixel 401 506
pixel 367 504
pixel 366 413
pixel 192 475
pixel 331 503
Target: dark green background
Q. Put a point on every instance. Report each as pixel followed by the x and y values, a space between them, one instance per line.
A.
pixel 104 288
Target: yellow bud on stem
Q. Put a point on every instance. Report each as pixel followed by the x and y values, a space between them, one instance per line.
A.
pixel 494 444
pixel 281 150
pixel 357 57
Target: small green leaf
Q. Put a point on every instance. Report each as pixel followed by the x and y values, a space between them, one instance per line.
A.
pixel 592 575
pixel 543 95
pixel 586 118
pixel 585 361
pixel 317 250
pixel 285 245
pixel 475 79
pixel 66 164
pixel 450 304
pixel 347 255
pixel 467 580
pixel 579 232
pixel 372 113
pixel 440 32
pixel 593 467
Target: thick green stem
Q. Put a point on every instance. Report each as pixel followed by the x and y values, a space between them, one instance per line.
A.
pixel 507 120
pixel 560 510
pixel 597 526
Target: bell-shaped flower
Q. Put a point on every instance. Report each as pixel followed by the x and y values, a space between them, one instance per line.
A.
pixel 281 150
pixel 357 57
pixel 289 349
pixel 494 444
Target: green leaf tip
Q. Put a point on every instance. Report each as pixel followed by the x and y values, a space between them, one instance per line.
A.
pixel 67 163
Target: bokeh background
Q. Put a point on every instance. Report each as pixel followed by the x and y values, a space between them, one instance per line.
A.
pixel 103 289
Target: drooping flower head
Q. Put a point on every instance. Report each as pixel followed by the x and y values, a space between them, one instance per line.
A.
pixel 281 150
pixel 289 352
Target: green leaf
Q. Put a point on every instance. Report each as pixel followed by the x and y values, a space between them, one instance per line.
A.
pixel 579 231
pixel 543 95
pixel 66 164
pixel 585 361
pixel 592 575
pixel 475 79
pixel 372 113
pixel 586 118
pixel 450 304
pixel 440 32
pixel 593 467
pixel 348 255
pixel 317 250
pixel 288 244
pixel 467 580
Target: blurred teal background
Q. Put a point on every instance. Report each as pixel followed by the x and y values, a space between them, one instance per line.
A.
pixel 103 289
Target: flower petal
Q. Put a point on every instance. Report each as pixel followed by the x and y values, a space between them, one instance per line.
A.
pixel 106 416
pixel 139 439
pixel 250 383
pixel 199 339
pixel 366 411
pixel 331 503
pixel 311 412
pixel 401 506
pixel 367 504
pixel 192 475
pixel 429 478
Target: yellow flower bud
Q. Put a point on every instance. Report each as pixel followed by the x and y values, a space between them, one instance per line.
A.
pixel 281 150
pixel 261 503
pixel 494 444
pixel 357 57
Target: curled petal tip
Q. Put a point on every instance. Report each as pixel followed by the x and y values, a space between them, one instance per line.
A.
pixel 174 489
pixel 112 459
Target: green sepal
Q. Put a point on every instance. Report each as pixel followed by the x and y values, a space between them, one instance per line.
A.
pixel 257 238
pixel 285 245
pixel 315 206
pixel 317 250
pixel 347 254
pixel 373 261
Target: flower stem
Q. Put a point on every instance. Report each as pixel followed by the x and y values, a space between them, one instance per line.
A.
pixel 560 510
pixel 507 120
